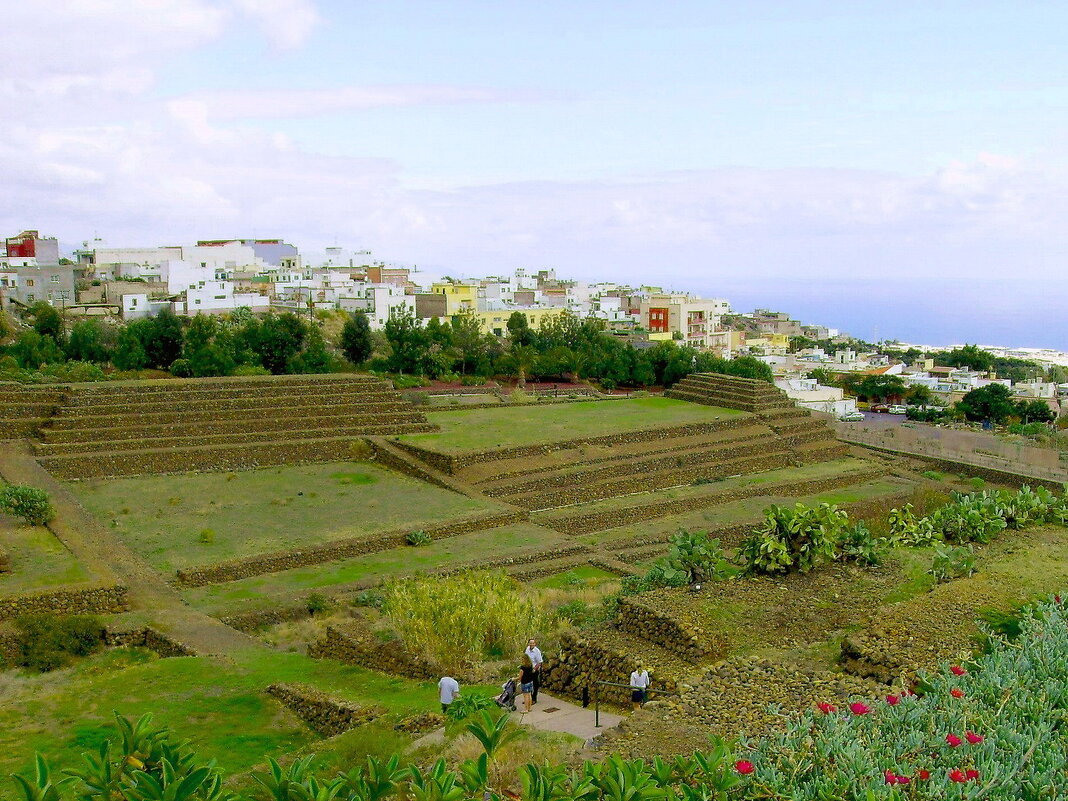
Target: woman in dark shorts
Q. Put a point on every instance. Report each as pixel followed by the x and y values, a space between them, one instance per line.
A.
pixel 526 681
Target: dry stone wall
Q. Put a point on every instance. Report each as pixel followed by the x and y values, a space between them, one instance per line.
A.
pixel 327 716
pixel 341 549
pixel 356 644
pixel 581 663
pixel 82 601
pixel 640 618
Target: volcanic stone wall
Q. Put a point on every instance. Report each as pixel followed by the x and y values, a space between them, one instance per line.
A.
pixel 641 618
pixel 82 601
pixel 355 644
pixel 327 716
pixel 340 549
pixel 23 409
pixel 581 663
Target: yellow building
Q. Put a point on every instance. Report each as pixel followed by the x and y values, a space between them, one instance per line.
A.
pixel 496 322
pixel 458 297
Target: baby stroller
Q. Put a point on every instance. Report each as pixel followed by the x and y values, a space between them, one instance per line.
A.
pixel 506 699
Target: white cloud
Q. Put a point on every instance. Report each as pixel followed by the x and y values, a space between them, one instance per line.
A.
pixel 287 24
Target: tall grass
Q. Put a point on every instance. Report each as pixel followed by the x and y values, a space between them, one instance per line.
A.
pixel 462 619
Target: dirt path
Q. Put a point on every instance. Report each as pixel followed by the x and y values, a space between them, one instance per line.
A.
pixel 110 559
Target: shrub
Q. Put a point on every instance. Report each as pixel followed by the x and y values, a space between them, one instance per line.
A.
pixel 908 529
pixel 798 538
pixel 206 537
pixel 858 544
pixel 459 619
pixel 316 604
pixel 249 369
pixel 659 575
pixel 417 538
pixel 29 503
pixel 699 556
pixel 952 562
pixel 181 368
pixel 47 642
pixel 473 381
pixel 468 704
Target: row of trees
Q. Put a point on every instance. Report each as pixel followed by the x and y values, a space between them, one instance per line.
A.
pixel 562 348
pixel 199 346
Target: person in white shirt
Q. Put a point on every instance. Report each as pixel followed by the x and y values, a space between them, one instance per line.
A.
pixel 448 691
pixel 534 652
pixel 639 685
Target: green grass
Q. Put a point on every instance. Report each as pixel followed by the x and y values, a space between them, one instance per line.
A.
pixel 581 576
pixel 280 588
pixel 506 427
pixel 217 704
pixel 39 561
pixel 257 511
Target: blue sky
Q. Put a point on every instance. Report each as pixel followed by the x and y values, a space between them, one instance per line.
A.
pixel 897 167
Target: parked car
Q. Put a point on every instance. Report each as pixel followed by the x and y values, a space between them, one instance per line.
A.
pixel 897 409
pixel 881 408
pixel 852 417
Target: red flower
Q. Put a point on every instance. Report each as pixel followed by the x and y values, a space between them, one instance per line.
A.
pixel 953 740
pixel 826 708
pixel 956 693
pixel 958 776
pixel 744 767
pixel 859 708
pixel 1057 599
pixel 957 670
pixel 972 774
pixel 973 738
pixel 893 700
pixel 923 775
pixel 890 777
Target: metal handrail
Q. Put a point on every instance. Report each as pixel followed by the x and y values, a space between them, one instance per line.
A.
pixel 597 697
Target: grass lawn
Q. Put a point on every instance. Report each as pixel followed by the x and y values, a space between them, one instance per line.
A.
pixel 167 518
pixel 506 427
pixel 576 577
pixel 274 588
pixel 38 560
pixel 217 704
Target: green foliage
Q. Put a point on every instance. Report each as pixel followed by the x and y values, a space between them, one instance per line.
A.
pixel 31 350
pixel 952 562
pixel 418 538
pixel 90 341
pixel 47 320
pixel 356 341
pixel 994 402
pixel 408 342
pixel 458 620
pixel 468 704
pixel 857 544
pixel 798 538
pixel 317 604
pixel 28 503
pixel 658 576
pixel 699 556
pixel 909 530
pixel 47 642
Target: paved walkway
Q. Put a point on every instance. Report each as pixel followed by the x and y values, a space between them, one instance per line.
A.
pixel 554 714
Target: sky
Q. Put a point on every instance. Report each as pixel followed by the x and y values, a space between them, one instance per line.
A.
pixel 896 170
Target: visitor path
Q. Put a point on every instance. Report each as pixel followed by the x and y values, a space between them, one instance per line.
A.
pixel 554 714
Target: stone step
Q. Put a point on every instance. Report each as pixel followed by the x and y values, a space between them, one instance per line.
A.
pixel 251 398
pixel 382 426
pixel 628 465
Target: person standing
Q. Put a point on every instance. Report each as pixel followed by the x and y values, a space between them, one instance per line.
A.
pixel 639 686
pixel 448 691
pixel 534 653
pixel 526 682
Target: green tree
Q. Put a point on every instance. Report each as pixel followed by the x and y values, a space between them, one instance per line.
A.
pixel 356 341
pixel 162 339
pixel 993 402
pixel 208 347
pixel 468 341
pixel 315 358
pixel 276 340
pixel 130 350
pixel 408 341
pixel 919 394
pixel 47 320
pixel 1034 411
pixel 88 342
pixel 31 350
pixel 519 330
pixel 880 387
pixel 970 356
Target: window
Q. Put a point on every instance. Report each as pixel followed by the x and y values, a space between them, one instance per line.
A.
pixel 54 279
pixel 197 301
pixel 29 298
pixel 29 282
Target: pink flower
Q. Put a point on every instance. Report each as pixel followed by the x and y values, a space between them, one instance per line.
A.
pixel 957 670
pixel 744 767
pixel 953 740
pixel 958 776
pixel 859 708
pixel 893 700
pixel 923 775
pixel 890 777
pixel 971 774
pixel 956 693
pixel 973 738
pixel 826 708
